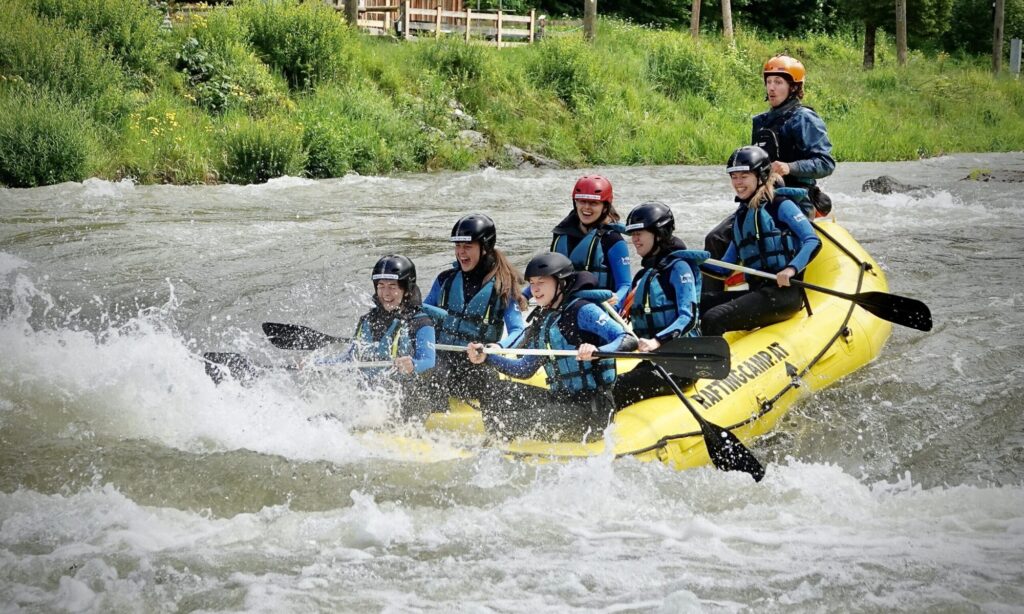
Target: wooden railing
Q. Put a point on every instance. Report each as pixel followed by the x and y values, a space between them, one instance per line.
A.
pixel 503 29
pixel 487 27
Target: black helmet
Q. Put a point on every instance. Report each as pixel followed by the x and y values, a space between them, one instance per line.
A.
pixel 475 227
pixel 396 268
pixel 750 158
pixel 653 216
pixel 551 264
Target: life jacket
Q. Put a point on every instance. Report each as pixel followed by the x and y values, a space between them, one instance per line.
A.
pixel 392 342
pixel 589 254
pixel 481 319
pixel 654 302
pixel 763 243
pixel 559 330
pixel 768 137
pixel 799 196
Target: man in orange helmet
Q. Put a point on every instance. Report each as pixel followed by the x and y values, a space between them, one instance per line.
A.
pixel 793 135
pixel 797 144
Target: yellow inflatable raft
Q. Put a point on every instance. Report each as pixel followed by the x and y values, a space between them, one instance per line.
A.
pixel 771 368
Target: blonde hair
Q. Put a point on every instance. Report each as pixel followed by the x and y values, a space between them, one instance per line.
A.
pixel 507 280
pixel 766 192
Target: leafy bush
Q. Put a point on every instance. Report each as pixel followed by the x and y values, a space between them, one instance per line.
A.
pixel 356 128
pixel 166 142
pixel 679 67
pixel 566 65
pixel 222 72
pixel 306 42
pixel 61 59
pixel 455 60
pixel 257 151
pixel 42 140
pixel 129 28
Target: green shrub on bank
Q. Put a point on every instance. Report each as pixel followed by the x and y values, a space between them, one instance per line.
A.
pixel 357 129
pixel 454 60
pixel 256 151
pixel 679 67
pixel 166 142
pixel 129 28
pixel 42 140
pixel 306 42
pixel 63 60
pixel 566 66
pixel 223 73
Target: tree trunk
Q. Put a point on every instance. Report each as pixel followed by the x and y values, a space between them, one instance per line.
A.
pixel 870 29
pixel 589 19
pixel 352 12
pixel 997 37
pixel 727 19
pixel 901 32
pixel 695 19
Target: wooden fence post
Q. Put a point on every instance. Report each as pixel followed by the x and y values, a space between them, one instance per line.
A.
pixel 499 29
pixel 997 36
pixel 469 19
pixel 437 22
pixel 589 19
pixel 405 19
pixel 533 24
pixel 352 12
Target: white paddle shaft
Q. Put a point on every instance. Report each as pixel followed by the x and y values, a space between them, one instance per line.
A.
pixel 741 269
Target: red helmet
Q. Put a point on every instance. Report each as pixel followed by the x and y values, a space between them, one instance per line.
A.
pixel 593 187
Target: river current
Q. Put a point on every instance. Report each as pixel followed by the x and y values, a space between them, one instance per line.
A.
pixel 130 483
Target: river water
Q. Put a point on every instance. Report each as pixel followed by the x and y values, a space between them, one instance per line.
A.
pixel 130 483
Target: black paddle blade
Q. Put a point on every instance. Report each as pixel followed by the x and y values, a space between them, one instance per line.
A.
pixel 297 337
pixel 728 453
pixel 221 364
pixel 896 309
pixel 695 357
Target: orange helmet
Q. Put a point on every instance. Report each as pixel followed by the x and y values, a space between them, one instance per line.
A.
pixel 784 66
pixel 593 187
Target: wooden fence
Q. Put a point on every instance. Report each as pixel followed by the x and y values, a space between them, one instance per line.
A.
pixel 503 29
pixel 410 21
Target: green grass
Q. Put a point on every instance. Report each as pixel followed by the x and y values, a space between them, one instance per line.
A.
pixel 264 88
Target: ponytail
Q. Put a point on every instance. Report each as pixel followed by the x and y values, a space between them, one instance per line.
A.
pixel 764 194
pixel 507 280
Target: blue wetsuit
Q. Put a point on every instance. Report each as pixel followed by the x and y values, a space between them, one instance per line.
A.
pixel 577 402
pixel 787 239
pixel 601 251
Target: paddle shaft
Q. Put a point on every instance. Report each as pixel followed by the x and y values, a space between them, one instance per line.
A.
pixel 545 352
pixel 795 282
pixel 898 309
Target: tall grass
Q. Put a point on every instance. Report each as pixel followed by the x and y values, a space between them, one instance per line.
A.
pixel 129 28
pixel 256 151
pixel 43 140
pixel 307 43
pixel 66 61
pixel 264 88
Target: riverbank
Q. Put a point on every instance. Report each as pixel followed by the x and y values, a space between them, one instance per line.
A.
pixel 260 90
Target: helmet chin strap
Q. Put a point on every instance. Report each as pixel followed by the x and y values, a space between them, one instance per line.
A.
pixel 560 284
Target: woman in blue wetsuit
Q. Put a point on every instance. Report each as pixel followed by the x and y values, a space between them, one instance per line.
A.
pixel 666 295
pixel 395 329
pixel 769 233
pixel 570 316
pixel 590 236
pixel 472 302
